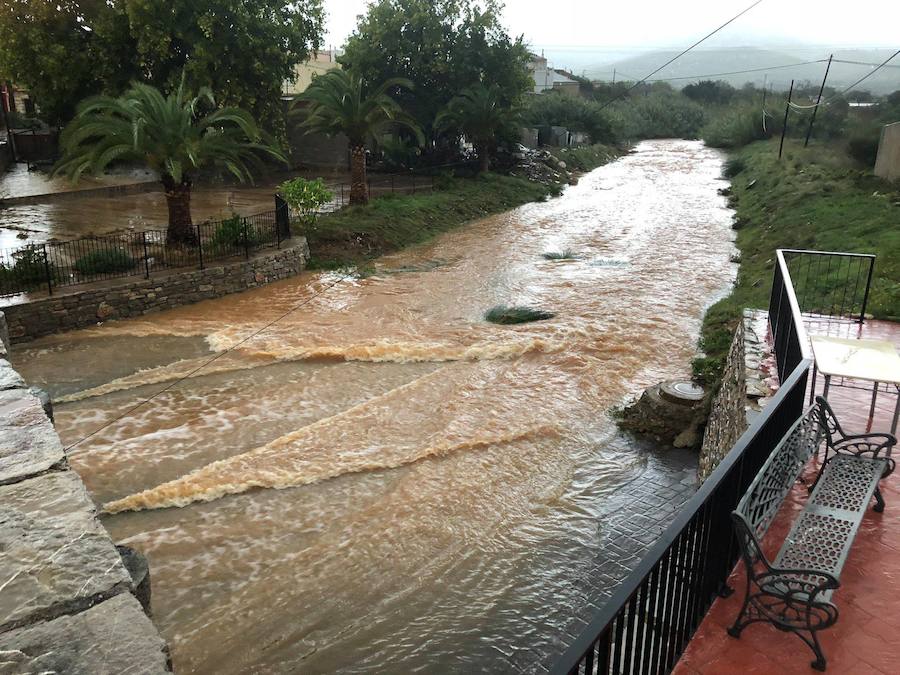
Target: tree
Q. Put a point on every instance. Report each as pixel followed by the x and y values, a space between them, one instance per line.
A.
pixel 65 50
pixel 168 135
pixel 576 114
pixel 243 50
pixel 478 114
pixel 712 92
pixel 444 46
pixel 340 102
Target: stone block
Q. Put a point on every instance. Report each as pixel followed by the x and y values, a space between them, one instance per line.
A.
pixel 55 556
pixel 28 443
pixel 110 638
pixel 9 378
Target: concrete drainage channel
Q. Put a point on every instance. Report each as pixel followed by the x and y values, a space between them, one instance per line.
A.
pixel 70 600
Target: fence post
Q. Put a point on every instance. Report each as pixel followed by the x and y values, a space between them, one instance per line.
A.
pixel 146 255
pixel 246 240
pixel 47 271
pixel 200 245
pixel 862 311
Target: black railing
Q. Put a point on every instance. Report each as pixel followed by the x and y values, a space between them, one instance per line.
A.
pixel 647 624
pixel 378 186
pixel 46 266
pixel 791 344
pixel 829 284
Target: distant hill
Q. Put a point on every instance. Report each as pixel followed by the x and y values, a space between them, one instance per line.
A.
pixel 712 61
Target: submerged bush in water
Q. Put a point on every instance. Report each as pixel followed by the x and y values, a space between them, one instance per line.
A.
pixel 567 254
pixel 507 315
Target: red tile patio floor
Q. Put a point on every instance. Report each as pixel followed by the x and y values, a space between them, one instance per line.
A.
pixel 866 637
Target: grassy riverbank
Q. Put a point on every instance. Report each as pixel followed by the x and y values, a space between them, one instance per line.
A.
pixel 389 223
pixel 814 198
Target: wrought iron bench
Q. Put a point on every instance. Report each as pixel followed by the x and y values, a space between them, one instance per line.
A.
pixel 793 591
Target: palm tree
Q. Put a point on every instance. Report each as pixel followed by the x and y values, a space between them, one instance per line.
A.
pixel 169 136
pixel 339 102
pixel 479 114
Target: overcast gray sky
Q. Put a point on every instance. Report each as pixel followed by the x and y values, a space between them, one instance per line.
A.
pixel 677 23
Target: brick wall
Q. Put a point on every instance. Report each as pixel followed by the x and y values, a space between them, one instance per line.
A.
pixel 84 306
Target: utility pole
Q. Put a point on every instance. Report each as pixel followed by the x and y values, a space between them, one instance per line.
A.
pixel 818 101
pixel 765 77
pixel 614 75
pixel 787 109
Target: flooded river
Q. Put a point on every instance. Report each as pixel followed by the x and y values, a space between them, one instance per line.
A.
pixel 441 479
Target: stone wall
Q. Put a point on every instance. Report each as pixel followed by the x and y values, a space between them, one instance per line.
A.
pixel 887 164
pixel 67 602
pixel 103 191
pixel 82 306
pixel 743 393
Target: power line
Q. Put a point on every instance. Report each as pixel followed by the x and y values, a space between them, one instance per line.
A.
pixel 863 63
pixel 737 72
pixel 206 363
pixel 680 54
pixel 852 86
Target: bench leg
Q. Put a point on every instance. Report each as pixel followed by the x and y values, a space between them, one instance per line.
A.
pixel 879 501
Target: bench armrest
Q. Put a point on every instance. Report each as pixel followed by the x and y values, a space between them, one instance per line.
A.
pixel 808 582
pixel 886 440
pixel 875 446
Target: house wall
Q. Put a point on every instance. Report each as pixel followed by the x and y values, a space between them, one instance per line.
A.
pixel 887 164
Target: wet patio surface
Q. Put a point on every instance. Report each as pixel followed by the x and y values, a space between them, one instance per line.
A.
pixel 865 637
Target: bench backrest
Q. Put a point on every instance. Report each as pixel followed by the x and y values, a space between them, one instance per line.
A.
pixel 777 476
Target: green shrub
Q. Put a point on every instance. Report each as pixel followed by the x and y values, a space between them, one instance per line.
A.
pixel 733 166
pixel 306 197
pixel 104 262
pixel 230 234
pixel 27 272
pixel 737 127
pixel 863 147
pixel 509 315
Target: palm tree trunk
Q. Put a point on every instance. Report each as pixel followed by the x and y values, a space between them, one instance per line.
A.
pixel 359 189
pixel 484 158
pixel 178 199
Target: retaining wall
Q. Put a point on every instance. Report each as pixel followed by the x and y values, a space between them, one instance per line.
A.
pixel 67 602
pixel 82 306
pixel 743 393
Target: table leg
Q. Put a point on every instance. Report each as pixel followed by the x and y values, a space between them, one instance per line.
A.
pixel 896 414
pixel 827 387
pixel 872 408
pixel 812 389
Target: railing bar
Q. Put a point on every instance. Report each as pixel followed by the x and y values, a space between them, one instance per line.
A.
pixel 617 642
pixel 629 642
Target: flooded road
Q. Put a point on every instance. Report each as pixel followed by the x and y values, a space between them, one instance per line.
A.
pixel 441 479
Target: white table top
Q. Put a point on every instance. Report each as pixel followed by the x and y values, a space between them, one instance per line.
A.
pixel 873 360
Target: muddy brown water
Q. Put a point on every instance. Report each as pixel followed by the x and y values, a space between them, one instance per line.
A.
pixel 95 213
pixel 439 479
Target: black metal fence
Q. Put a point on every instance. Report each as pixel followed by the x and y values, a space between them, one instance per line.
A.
pixel 380 185
pixel 650 619
pixel 46 266
pixel 831 284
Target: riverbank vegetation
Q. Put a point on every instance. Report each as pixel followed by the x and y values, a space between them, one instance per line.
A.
pixel 813 198
pixel 355 234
